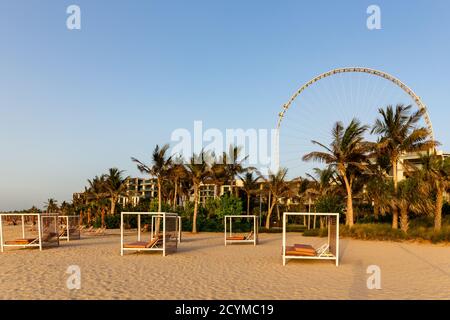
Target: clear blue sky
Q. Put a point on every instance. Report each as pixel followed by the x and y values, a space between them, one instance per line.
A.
pixel 74 103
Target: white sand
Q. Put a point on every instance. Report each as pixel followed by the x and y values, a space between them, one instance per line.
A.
pixel 203 268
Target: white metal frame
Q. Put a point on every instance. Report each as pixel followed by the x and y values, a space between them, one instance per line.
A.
pixel 179 227
pixel 37 243
pixel 322 252
pixel 67 237
pixel 154 215
pixel 229 233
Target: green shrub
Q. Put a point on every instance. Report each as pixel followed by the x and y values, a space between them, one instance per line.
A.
pixel 111 221
pixel 380 231
pixel 330 203
pixel 316 232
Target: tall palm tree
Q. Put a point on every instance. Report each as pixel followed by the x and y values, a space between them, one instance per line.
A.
pixel 158 169
pixel 51 205
pixel 324 180
pixel 404 199
pixel 219 173
pixel 377 186
pixel 278 188
pixel 115 186
pixel 234 165
pixel 435 170
pixel 65 208
pixel 177 172
pixel 198 170
pixel 96 193
pixel 400 134
pixel 250 186
pixel 348 154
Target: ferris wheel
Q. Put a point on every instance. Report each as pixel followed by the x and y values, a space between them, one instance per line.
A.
pixel 337 95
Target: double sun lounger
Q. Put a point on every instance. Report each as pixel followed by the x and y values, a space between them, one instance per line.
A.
pixel 240 238
pixel 306 250
pixel 143 244
pixel 27 241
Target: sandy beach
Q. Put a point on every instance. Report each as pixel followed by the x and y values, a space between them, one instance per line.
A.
pixel 203 268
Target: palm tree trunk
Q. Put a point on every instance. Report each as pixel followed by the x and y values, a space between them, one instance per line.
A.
pixel 194 220
pixel 438 209
pixel 404 218
pixel 158 219
pixel 159 195
pixel 394 217
pixel 248 203
pixel 394 207
pixel 103 217
pixel 376 209
pixel 175 195
pixel 349 217
pixel 269 213
pixel 113 205
pixel 81 217
pixel 89 216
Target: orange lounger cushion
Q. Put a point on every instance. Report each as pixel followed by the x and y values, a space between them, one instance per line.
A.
pixel 303 250
pixel 236 238
pixel 141 244
pixel 136 245
pixel 20 241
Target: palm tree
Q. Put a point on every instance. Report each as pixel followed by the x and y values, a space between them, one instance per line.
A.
pixel 96 193
pixel 115 186
pixel 51 205
pixel 234 165
pixel 399 135
pixel 65 208
pixel 404 199
pixel 249 185
pixel 348 154
pixel 198 170
pixel 278 188
pixel 435 170
pixel 177 172
pixel 219 174
pixel 324 180
pixel 158 169
pixel 377 185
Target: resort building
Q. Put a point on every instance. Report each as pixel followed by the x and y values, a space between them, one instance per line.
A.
pixel 138 189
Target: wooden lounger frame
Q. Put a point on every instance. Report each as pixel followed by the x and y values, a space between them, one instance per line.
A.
pixel 229 238
pixel 158 243
pixel 304 251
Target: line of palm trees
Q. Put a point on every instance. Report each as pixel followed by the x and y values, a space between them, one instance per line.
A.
pixel 354 167
pixel 175 178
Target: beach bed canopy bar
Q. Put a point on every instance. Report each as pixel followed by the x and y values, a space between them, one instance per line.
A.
pixel 28 230
pixel 163 235
pixel 69 227
pixel 328 251
pixel 250 237
pixel 179 228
